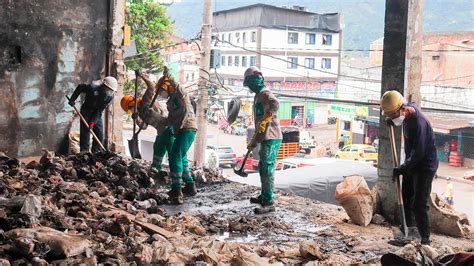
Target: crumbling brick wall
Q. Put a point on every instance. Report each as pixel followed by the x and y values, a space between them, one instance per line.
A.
pixel 46 49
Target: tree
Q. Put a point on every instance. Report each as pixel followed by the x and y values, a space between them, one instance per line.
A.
pixel 151 30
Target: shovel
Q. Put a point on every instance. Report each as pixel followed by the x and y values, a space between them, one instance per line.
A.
pixel 408 233
pixel 83 120
pixel 133 143
pixel 241 171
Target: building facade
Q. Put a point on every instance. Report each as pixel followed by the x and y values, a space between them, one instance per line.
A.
pixel 298 51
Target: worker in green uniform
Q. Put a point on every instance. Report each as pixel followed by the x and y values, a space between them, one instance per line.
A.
pixel 268 134
pixel 182 120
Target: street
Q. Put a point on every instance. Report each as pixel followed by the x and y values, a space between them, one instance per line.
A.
pixel 463 191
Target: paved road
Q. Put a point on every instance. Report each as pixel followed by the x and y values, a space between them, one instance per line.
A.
pixel 463 196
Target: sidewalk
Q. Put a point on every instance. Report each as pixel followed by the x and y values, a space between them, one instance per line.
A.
pixel 456 173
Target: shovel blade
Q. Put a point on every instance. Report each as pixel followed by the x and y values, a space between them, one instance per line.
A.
pixel 240 173
pixel 133 148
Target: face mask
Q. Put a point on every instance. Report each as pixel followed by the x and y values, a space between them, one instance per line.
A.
pixel 399 120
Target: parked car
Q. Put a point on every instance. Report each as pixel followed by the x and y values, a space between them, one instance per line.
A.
pixel 226 155
pixel 358 152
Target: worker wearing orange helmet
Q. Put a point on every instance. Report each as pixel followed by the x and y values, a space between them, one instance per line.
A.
pixel 97 98
pixel 156 116
pixel 183 122
pixel 421 160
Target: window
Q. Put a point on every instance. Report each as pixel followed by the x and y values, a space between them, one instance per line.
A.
pixel 244 37
pixel 354 149
pixel 187 77
pixel 229 60
pixel 310 38
pixel 327 39
pixel 229 37
pixel 435 57
pixel 222 37
pixel 326 63
pixel 192 76
pixel 244 61
pixel 237 61
pixel 237 37
pixel 253 36
pixel 293 37
pixel 223 61
pixel 309 63
pixel 292 62
pixel 253 60
pixel 347 148
pixel 370 150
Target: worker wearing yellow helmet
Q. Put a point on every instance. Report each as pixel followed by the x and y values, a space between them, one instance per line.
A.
pixel 183 122
pixel 421 160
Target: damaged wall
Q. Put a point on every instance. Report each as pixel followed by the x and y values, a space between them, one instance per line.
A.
pixel 45 51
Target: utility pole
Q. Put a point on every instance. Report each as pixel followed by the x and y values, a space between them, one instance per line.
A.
pixel 414 50
pixel 204 76
pixel 393 78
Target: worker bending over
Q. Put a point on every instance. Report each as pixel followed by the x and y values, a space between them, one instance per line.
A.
pixel 155 115
pixel 421 160
pixel 183 122
pixel 268 134
pixel 97 98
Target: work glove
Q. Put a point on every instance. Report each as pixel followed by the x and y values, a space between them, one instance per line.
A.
pixel 389 122
pixel 134 116
pixel 91 125
pixel 396 173
pixel 252 144
pixel 262 126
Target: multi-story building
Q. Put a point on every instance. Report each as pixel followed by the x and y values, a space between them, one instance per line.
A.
pixel 298 51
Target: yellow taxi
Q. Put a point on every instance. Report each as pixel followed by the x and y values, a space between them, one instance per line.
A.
pixel 358 152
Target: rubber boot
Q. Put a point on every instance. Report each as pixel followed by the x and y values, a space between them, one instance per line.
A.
pixel 176 196
pixel 256 200
pixel 190 189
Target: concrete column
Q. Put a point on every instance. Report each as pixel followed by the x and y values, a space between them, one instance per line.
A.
pixel 393 76
pixel 414 50
pixel 114 112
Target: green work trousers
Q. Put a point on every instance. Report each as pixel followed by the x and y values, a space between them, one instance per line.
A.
pixel 266 168
pixel 163 144
pixel 179 169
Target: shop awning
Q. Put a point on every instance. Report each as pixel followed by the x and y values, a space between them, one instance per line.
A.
pixel 444 124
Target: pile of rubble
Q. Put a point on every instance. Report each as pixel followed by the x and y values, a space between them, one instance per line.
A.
pixel 103 207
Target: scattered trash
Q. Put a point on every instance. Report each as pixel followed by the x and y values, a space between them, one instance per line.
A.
pixel 355 197
pixel 310 250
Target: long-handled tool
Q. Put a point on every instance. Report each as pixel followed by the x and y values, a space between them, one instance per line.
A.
pixel 411 232
pixel 133 143
pixel 83 120
pixel 241 171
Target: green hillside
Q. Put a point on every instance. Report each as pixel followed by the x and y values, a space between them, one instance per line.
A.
pixel 363 19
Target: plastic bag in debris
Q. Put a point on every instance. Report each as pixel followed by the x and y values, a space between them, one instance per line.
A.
pixel 32 206
pixel 411 254
pixel 355 197
pixel 61 244
pixel 74 142
pixel 444 219
pixel 248 258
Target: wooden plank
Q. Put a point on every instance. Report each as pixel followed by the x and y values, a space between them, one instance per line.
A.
pixel 147 226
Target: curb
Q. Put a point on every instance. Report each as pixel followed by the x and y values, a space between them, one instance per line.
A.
pixel 456 179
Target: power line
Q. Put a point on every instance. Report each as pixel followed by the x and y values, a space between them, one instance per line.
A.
pixel 145 53
pixel 306 67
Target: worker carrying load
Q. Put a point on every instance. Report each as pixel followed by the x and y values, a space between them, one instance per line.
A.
pixel 182 120
pixel 97 98
pixel 268 134
pixel 151 112
pixel 421 161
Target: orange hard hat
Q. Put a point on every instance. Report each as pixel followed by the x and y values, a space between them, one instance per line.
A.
pixel 127 103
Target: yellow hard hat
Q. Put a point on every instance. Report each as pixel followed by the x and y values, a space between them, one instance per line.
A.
pixel 391 102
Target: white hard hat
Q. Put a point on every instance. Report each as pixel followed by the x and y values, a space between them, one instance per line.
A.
pixel 251 71
pixel 111 83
